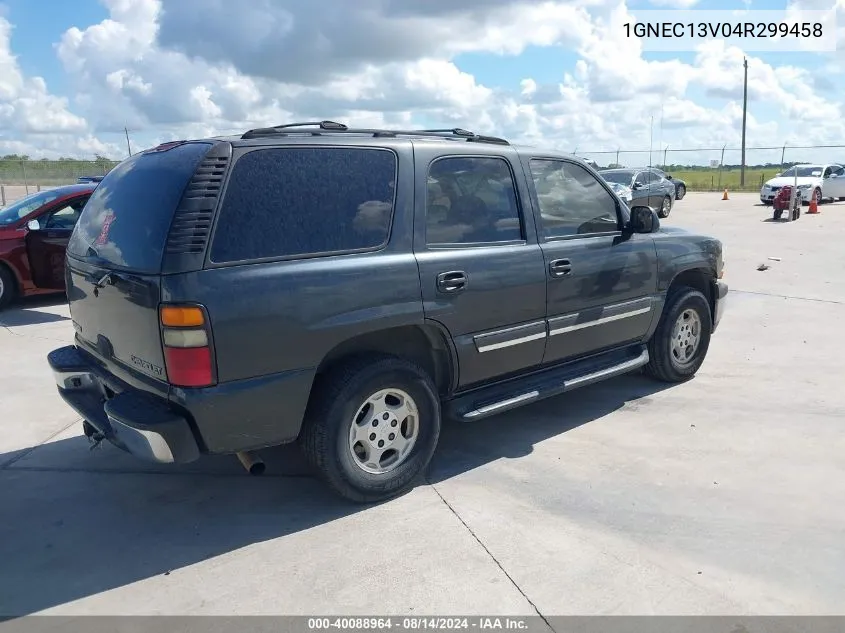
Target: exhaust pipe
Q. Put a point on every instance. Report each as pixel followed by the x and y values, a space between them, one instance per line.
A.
pixel 253 463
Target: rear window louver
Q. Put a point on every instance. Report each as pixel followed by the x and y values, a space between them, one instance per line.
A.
pixel 192 220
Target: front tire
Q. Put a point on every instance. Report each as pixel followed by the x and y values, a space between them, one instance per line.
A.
pixel 371 427
pixel 679 345
pixel 8 287
pixel 665 208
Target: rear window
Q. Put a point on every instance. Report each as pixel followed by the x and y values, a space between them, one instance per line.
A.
pixel 283 202
pixel 126 221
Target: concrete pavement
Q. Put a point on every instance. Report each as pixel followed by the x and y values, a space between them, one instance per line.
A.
pixel 723 495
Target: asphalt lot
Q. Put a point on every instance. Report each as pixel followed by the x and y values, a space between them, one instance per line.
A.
pixel 723 495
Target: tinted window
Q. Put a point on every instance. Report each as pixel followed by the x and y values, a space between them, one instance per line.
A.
pixel 471 200
pixel 837 171
pixel 645 177
pixel 126 221
pixel 571 200
pixel 620 177
pixel 299 201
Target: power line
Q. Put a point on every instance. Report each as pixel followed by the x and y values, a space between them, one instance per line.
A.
pixel 712 149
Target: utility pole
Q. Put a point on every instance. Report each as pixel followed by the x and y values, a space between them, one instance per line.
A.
pixel 744 113
pixel 128 147
pixel 660 136
pixel 650 139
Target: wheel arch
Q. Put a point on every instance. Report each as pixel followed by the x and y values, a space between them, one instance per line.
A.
pixel 427 345
pixel 698 278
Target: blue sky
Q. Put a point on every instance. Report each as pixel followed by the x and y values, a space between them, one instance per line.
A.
pixel 39 24
pixel 148 64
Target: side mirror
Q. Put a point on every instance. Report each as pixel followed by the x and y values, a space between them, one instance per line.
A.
pixel 668 177
pixel 777 175
pixel 637 185
pixel 643 220
pixel 33 225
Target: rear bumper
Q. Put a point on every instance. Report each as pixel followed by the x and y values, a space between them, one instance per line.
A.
pixel 720 296
pixel 137 422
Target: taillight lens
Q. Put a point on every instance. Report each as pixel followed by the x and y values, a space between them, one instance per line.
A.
pixel 187 347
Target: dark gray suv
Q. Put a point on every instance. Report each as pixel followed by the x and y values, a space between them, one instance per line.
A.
pixel 647 187
pixel 346 288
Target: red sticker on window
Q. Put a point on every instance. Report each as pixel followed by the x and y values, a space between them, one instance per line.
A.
pixel 104 233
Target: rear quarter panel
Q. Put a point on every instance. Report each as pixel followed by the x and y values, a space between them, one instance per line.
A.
pixel 274 322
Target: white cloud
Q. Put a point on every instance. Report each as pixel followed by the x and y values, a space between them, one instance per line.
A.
pixel 35 122
pixel 181 68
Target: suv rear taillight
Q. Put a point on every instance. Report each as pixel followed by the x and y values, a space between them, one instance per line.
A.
pixel 185 334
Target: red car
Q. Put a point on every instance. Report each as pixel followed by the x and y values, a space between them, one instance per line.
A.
pixel 34 233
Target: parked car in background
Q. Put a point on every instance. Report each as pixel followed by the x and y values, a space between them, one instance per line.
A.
pixel 87 179
pixel 825 181
pixel 34 233
pixel 591 163
pixel 648 188
pixel 680 185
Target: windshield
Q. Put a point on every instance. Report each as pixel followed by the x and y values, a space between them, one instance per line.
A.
pixel 804 171
pixel 25 206
pixel 621 177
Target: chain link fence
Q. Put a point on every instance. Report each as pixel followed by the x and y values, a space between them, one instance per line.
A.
pixel 50 172
pixel 717 168
pixel 19 177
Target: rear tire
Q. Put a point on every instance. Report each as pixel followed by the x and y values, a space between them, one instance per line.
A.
pixel 679 345
pixel 365 398
pixel 680 192
pixel 8 287
pixel 665 208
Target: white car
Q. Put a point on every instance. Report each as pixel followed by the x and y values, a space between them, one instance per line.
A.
pixel 827 182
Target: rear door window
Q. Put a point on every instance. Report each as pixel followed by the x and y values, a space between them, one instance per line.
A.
pixel 305 201
pixel 471 201
pixel 126 221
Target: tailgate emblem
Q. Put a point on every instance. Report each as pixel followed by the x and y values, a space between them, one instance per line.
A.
pixel 147 365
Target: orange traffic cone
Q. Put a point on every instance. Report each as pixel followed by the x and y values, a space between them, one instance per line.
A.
pixel 725 195
pixel 814 205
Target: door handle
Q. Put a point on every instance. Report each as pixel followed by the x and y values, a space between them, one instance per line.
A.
pixel 452 281
pixel 560 268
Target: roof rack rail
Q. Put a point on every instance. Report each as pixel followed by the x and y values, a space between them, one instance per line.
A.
pixel 334 127
pixel 278 129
